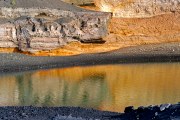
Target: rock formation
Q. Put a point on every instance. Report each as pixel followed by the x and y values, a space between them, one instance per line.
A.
pixel 138 8
pixel 35 25
pixel 139 22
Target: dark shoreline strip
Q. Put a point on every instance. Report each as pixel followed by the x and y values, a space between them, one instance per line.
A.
pixel 161 112
pixel 16 62
pixel 39 63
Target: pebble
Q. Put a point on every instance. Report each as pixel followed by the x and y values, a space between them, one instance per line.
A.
pixel 129 109
pixel 164 106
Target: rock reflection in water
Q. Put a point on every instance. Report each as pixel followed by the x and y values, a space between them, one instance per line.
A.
pixel 109 87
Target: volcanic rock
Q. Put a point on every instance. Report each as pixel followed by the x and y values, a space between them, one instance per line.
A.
pixel 36 25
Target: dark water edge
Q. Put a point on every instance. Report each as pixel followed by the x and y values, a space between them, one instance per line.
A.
pixel 104 87
pixel 29 63
pixel 165 52
pixel 162 112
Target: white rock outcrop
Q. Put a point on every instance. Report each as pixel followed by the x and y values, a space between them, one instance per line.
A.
pixel 138 8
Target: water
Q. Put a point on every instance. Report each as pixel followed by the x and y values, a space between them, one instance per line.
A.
pixel 108 87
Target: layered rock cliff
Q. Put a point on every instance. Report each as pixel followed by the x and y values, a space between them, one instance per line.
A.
pixel 145 20
pixel 36 25
pixel 139 22
pixel 47 27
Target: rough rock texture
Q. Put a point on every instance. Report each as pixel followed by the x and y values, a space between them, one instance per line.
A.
pixel 7 34
pixel 139 31
pixel 166 24
pixel 133 27
pixel 138 8
pixel 36 25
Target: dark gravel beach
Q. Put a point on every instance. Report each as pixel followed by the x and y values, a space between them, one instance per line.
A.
pixel 162 112
pixel 53 113
pixel 14 62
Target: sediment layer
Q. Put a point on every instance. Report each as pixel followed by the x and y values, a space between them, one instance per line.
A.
pixel 14 62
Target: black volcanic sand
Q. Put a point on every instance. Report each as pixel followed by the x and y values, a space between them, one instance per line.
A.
pixel 52 113
pixel 162 112
pixel 14 62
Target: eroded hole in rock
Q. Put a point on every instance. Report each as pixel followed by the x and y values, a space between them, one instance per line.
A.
pixel 45 29
pixel 41 14
pixel 33 28
pixel 76 37
pixel 97 41
pixel 83 24
pixel 48 16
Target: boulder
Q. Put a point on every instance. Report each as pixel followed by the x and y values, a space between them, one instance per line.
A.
pixel 37 25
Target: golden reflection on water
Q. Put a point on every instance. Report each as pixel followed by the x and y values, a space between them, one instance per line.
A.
pixel 109 87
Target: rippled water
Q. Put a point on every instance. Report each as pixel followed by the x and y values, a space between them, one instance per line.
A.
pixel 108 87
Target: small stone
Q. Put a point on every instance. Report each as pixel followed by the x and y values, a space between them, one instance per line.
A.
pixel 140 109
pixel 164 106
pixel 24 115
pixel 129 109
pixel 156 114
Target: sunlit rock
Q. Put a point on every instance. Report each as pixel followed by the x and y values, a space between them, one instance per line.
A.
pixel 34 25
pixel 164 106
pixel 138 8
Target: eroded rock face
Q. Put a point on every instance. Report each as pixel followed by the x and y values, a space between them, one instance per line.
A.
pixel 138 8
pixel 34 34
pixel 34 28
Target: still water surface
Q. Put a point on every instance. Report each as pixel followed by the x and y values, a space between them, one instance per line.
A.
pixel 108 87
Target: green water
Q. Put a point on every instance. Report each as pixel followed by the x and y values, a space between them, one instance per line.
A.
pixel 108 87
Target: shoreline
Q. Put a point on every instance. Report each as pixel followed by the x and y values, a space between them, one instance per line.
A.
pixel 166 52
pixel 157 112
pixel 16 62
